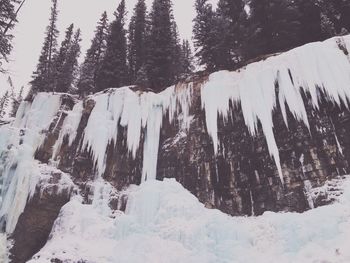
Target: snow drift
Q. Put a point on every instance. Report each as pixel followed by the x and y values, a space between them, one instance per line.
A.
pixel 165 223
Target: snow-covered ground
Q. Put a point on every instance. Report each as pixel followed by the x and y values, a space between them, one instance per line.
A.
pixel 165 223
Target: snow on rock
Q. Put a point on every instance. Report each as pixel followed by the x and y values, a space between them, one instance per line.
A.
pixel 18 143
pixel 165 223
pixel 134 110
pixel 308 68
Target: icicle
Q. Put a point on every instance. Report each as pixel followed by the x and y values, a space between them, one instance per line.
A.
pixel 69 128
pixel 135 111
pixel 312 66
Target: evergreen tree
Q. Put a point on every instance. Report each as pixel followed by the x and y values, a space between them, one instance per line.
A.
pixel 229 32
pixel 8 18
pixel 160 57
pixel 69 69
pixel 186 59
pixel 310 21
pixel 205 38
pixel 16 102
pixel 43 77
pixel 93 58
pixel 274 26
pixel 4 101
pixel 137 39
pixel 114 70
pixel 177 58
pixel 61 57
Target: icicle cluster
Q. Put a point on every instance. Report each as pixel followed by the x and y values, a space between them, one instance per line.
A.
pixel 134 110
pixel 309 68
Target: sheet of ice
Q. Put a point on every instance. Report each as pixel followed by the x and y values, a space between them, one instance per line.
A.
pixel 312 66
pixel 18 142
pixel 69 127
pixel 134 110
pixel 165 223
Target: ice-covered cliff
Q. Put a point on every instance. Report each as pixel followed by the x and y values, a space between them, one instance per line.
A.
pixel 245 142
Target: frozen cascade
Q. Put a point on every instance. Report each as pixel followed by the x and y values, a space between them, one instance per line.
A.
pixel 19 141
pixel 312 66
pixel 69 127
pixel 134 110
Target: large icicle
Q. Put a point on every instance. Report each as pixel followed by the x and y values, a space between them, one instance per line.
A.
pixel 134 110
pixel 316 65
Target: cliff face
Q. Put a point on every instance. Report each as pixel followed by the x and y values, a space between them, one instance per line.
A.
pixel 259 139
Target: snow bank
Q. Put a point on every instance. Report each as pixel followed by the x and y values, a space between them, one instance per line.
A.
pixel 312 66
pixel 165 223
pixel 134 110
pixel 18 143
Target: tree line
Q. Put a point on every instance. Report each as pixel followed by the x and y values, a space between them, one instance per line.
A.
pixel 148 52
pixel 238 31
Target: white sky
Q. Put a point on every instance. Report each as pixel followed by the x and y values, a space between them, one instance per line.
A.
pixel 33 19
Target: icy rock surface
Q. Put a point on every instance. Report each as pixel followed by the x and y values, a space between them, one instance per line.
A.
pixel 134 110
pixel 18 143
pixel 165 223
pixel 305 69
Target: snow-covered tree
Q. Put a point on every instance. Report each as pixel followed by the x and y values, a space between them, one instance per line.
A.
pixel 16 101
pixel 4 102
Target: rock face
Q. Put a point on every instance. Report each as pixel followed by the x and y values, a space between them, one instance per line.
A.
pixel 126 136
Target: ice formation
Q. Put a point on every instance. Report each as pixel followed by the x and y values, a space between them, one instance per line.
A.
pixel 18 144
pixel 135 111
pixel 166 223
pixel 309 68
pixel 69 127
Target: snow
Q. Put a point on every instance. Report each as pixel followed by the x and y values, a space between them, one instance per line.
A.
pixel 134 110
pixel 308 68
pixel 165 223
pixel 18 143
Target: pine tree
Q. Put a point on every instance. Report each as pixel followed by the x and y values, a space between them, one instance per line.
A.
pixel 310 21
pixel 229 32
pixel 177 58
pixel 69 69
pixel 93 58
pixel 160 57
pixel 204 36
pixel 274 27
pixel 60 58
pixel 137 39
pixel 114 70
pixel 43 77
pixel 4 101
pixel 186 59
pixel 16 102
pixel 8 18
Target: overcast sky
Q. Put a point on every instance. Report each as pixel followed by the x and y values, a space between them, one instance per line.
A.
pixel 33 19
